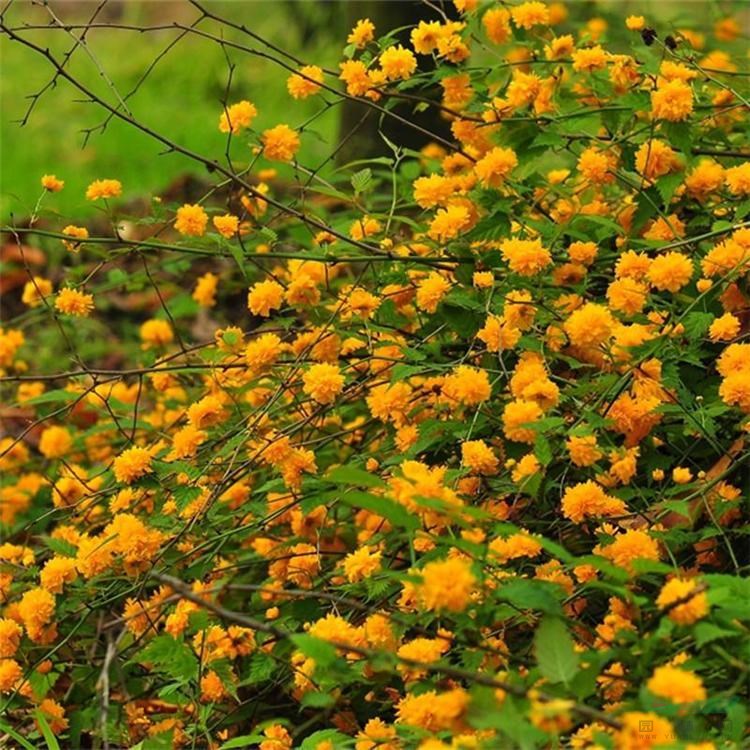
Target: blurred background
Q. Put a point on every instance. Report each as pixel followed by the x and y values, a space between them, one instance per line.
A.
pixel 186 85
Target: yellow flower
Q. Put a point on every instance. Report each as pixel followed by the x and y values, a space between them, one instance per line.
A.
pixel 588 500
pixel 495 166
pixel 212 688
pixel 362 33
pixel 655 159
pixel 499 334
pixel 397 63
pixel 676 685
pixel 670 271
pixel 597 166
pixel 354 74
pixel 205 290
pixel 518 416
pixel 514 547
pixel 35 291
pixel 226 225
pixel 627 296
pixel 132 464
pixel 525 257
pixel 477 456
pixel 361 564
pixel 80 233
pixel 36 609
pixel 560 47
pixel 467 386
pixel 72 302
pixel 375 736
pixel 433 190
pixel 52 184
pixel 583 450
pixel 206 412
pixel 724 328
pixel 306 83
pixel 280 143
pixel 104 189
pixel 10 637
pixel 630 546
pixel 589 59
pixel 191 220
pixel 55 442
pixel 525 467
pixel 57 572
pixel 264 297
pixel 156 333
pixel 447 585
pixel 643 731
pixel 684 601
pixel 672 101
pixel 682 475
pixel 705 179
pixel 738 179
pixel 635 23
pixel 262 352
pixel 431 290
pixel 496 22
pixel 590 325
pixel 237 116
pixel 323 382
pixel 449 223
pixel 10 674
pixel 528 15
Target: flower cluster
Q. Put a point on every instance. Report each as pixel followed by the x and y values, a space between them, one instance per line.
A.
pixel 448 452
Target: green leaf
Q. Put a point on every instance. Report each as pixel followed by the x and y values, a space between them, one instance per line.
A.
pixel 262 668
pixel 19 738
pixel 542 450
pixel 667 185
pixel 320 651
pixel 705 632
pixel 678 134
pixel 171 656
pixel 351 475
pixel 555 654
pixel 360 180
pixel 47 732
pixel 315 699
pixel 243 742
pixel 525 594
pixel 399 516
pixel 60 546
pixel 331 735
pixel 696 324
pixel 238 256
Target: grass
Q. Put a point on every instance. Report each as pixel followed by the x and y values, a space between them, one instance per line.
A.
pixel 181 98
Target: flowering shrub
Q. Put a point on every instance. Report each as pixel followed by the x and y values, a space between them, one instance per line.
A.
pixel 446 450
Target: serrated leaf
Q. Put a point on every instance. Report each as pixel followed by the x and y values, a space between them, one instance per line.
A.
pixel 262 668
pixel 705 632
pixel 667 185
pixel 554 651
pixel 542 450
pixel 697 323
pixel 361 180
pixel 61 546
pixel 171 656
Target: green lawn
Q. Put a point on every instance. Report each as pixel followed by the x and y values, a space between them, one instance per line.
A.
pixel 181 98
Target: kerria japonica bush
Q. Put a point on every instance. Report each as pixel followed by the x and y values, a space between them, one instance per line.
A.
pixel 444 448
